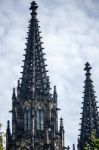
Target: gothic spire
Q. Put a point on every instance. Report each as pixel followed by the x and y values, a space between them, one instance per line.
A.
pixel 13 95
pixel 90 118
pixel 34 108
pixel 34 76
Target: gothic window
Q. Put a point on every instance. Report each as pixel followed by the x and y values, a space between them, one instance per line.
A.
pixel 27 119
pixel 40 119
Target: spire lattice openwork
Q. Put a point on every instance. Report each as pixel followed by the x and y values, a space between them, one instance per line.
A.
pixel 34 75
pixel 90 118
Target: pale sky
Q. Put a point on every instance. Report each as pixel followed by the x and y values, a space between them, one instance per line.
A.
pixel 70 31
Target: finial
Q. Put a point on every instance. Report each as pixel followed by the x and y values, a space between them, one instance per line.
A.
pixel 34 7
pixel 87 68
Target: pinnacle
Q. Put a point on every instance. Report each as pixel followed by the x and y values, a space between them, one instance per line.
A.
pixel 14 94
pixel 61 121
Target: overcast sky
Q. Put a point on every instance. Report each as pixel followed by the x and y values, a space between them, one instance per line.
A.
pixel 70 31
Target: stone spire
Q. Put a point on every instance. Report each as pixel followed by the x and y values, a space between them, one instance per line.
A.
pixel 34 108
pixel 34 76
pixel 90 118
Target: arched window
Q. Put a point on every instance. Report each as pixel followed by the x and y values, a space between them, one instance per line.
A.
pixel 27 119
pixel 40 119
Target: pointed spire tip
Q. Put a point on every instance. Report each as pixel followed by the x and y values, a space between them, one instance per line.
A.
pixel 33 6
pixel 14 94
pixel 87 67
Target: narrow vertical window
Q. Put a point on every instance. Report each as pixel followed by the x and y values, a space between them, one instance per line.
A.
pixel 27 119
pixel 40 120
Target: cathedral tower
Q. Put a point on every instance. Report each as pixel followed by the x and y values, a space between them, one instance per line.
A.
pixel 34 108
pixel 90 117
